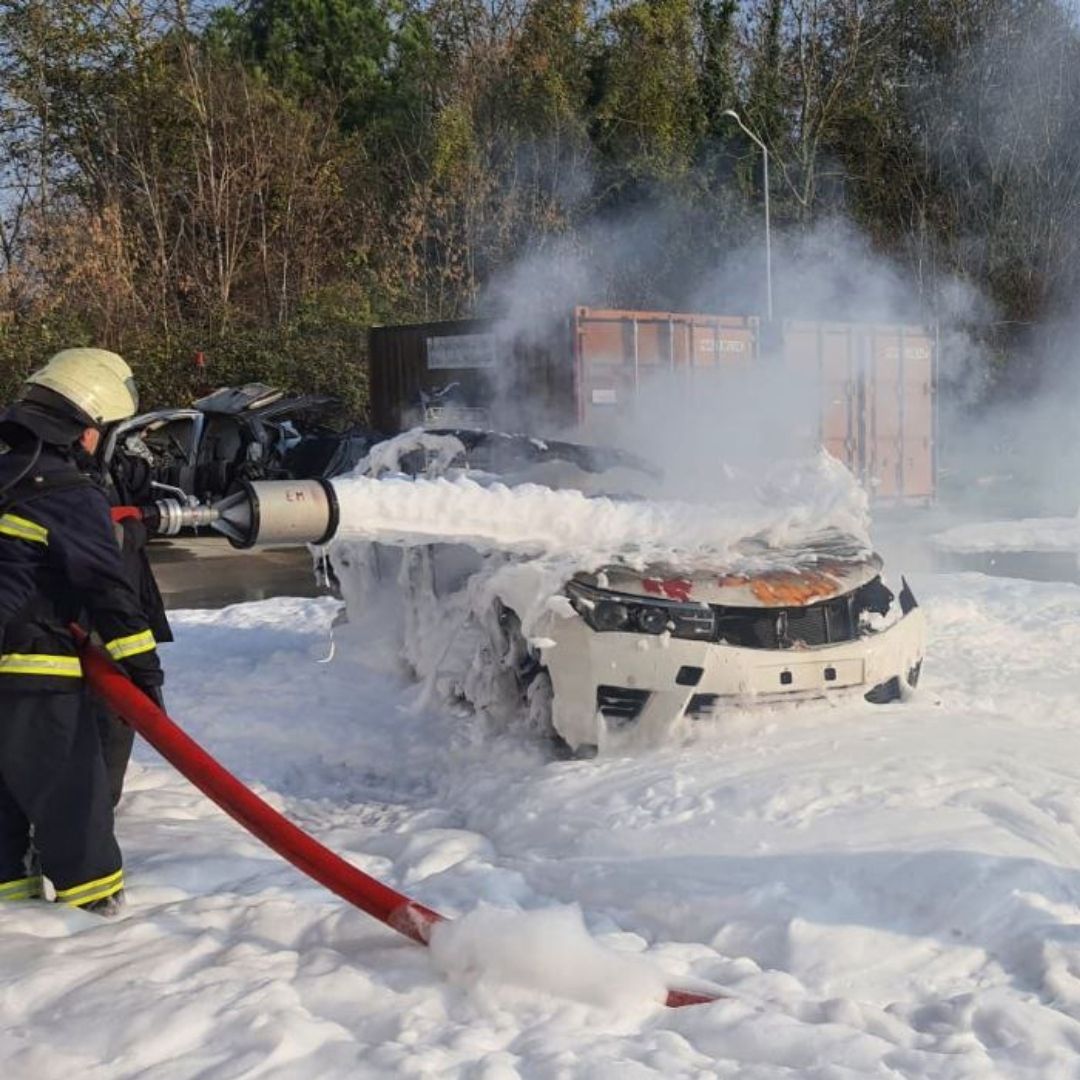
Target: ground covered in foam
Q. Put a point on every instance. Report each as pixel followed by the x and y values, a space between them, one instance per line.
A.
pixel 882 892
pixel 1036 535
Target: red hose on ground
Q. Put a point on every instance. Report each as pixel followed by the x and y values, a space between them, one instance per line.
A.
pixel 259 818
pixel 399 912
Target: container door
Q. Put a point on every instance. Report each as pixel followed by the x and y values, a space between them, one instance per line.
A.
pixel 900 410
pixel 829 352
pixel 917 388
pixel 884 401
pixel 618 352
pixel 719 342
pixel 607 361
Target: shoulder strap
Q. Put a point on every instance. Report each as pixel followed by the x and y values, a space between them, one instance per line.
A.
pixel 36 486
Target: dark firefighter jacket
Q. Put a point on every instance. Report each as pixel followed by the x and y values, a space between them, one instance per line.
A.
pixel 129 485
pixel 59 562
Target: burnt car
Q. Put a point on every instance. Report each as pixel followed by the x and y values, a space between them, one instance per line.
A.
pixel 651 647
pixel 629 651
pixel 251 432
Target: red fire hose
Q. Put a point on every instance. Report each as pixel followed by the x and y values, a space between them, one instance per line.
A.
pixel 399 912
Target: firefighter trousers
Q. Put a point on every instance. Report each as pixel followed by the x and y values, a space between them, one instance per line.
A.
pixel 53 783
pixel 117 742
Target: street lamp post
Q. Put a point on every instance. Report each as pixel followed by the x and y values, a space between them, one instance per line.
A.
pixel 768 230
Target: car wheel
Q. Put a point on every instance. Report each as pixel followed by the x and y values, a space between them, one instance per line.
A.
pixel 539 695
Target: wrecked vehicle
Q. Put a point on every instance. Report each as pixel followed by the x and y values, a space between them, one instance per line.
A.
pixel 651 647
pixel 623 651
pixel 251 432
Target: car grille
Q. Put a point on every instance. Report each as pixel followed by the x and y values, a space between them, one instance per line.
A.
pixel 620 704
pixel 825 623
pixel 701 706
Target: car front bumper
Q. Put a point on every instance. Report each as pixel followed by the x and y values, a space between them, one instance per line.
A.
pixel 651 683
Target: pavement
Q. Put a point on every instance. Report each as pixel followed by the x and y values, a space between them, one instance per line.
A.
pixel 206 572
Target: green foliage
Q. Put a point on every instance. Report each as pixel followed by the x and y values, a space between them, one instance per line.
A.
pixel 328 359
pixel 27 344
pixel 311 48
pixel 650 114
pixel 265 185
pixel 550 65
pixel 453 149
pixel 324 356
pixel 769 91
pixel 717 79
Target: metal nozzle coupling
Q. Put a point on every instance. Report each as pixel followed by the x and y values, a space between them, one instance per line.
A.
pixel 174 516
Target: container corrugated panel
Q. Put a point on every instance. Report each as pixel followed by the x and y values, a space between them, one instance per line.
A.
pixel 899 379
pixel 538 393
pixel 830 353
pixel 877 407
pixel 617 352
pixel 917 380
pixel 885 408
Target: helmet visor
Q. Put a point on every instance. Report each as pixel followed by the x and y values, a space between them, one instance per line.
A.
pixel 133 390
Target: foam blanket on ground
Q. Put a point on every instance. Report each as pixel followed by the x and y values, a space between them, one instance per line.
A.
pixel 1045 535
pixel 883 892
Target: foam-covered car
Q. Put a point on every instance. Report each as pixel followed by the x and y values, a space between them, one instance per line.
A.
pixel 622 650
pixel 649 648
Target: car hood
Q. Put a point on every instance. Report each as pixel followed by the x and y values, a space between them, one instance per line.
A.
pixel 819 570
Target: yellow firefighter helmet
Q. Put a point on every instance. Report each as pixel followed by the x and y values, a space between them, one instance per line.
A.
pixel 97 382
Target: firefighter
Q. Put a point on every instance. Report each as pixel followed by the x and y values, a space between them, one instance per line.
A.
pixel 129 485
pixel 59 563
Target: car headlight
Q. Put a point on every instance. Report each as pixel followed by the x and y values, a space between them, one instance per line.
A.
pixel 606 611
pixel 609 615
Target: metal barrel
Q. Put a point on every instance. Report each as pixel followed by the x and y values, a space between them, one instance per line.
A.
pixel 263 512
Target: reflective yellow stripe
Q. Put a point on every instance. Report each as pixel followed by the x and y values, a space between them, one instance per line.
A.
pixel 115 877
pixel 82 901
pixel 125 647
pixel 21 528
pixel 26 894
pixel 67 667
pixel 23 889
pixel 92 890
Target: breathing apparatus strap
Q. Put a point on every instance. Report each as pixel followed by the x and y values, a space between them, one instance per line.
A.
pixel 21 490
pixel 7 500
